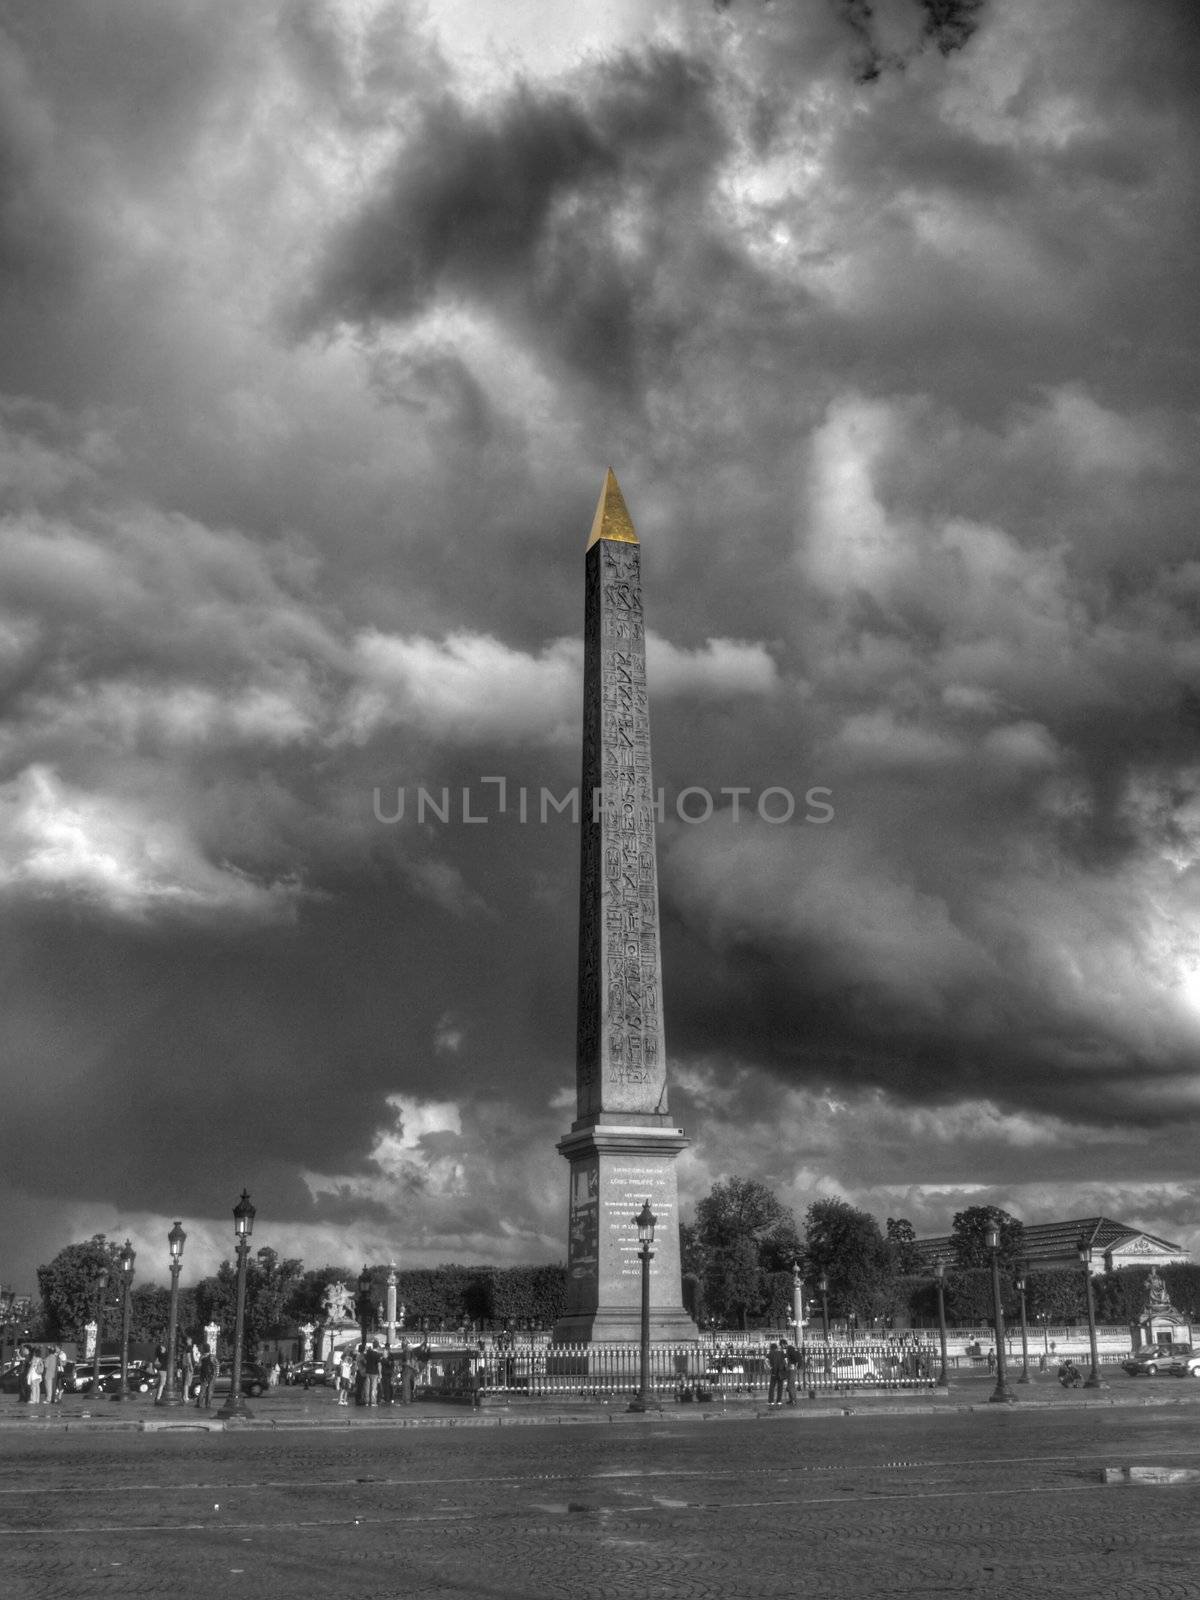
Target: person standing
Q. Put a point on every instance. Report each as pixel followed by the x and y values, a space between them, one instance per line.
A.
pixel 208 1374
pixel 345 1376
pixel 777 1367
pixel 161 1360
pixel 372 1361
pixel 792 1357
pixel 37 1368
pixel 52 1368
pixel 408 1375
pixel 387 1377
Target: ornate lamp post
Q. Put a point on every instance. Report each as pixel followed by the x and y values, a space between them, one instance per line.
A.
pixel 823 1291
pixel 798 1301
pixel 243 1224
pixel 1001 1392
pixel 644 1222
pixel 1022 1284
pixel 175 1242
pixel 939 1278
pixel 1093 1379
pixel 101 1286
pixel 128 1256
pixel 364 1301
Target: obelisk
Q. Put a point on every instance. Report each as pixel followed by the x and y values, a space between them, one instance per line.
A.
pixel 623 1144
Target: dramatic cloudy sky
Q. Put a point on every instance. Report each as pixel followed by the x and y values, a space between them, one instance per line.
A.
pixel 321 322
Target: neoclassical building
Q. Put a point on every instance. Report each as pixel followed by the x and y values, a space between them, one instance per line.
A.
pixel 1049 1245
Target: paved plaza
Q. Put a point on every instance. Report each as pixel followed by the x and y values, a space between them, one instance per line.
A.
pixel 931 1501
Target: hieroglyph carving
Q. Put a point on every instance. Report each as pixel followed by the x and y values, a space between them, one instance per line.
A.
pixel 622 1057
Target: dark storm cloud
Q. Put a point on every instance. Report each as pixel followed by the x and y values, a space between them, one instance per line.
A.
pixel 898 378
pixel 552 207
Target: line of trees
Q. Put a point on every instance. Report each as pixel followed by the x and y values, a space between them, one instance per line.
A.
pixel 739 1252
pixel 281 1292
pixel 737 1260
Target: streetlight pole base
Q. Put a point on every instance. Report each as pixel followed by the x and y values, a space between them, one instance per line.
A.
pixel 943 1382
pixel 1002 1395
pixel 1094 1383
pixel 638 1405
pixel 235 1409
pixel 169 1400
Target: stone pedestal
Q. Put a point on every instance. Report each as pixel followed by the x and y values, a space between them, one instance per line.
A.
pixel 614 1168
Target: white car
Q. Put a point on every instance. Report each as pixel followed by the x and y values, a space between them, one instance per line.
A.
pixel 1186 1367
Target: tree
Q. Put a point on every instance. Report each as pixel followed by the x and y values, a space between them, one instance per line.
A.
pixel 845 1245
pixel 969 1233
pixel 68 1288
pixel 742 1234
pixel 901 1238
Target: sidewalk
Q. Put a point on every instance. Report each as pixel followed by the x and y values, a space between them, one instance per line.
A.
pixel 318 1408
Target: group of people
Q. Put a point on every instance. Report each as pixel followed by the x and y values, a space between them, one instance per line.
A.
pixel 45 1373
pixel 783 1371
pixel 375 1375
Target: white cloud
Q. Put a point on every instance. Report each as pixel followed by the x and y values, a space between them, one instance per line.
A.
pixel 57 840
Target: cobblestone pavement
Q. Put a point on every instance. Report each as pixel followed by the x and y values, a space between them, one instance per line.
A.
pixel 1001 1502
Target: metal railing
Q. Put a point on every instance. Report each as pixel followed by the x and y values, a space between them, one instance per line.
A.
pixel 689 1372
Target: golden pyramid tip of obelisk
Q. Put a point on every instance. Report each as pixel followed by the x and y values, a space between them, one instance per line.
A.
pixel 612 519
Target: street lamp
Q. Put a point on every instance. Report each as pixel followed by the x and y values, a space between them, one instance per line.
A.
pixel 101 1286
pixel 364 1301
pixel 1021 1286
pixel 128 1256
pixel 644 1223
pixel 175 1241
pixel 1093 1379
pixel 939 1278
pixel 243 1226
pixel 1001 1392
pixel 797 1301
pixel 823 1291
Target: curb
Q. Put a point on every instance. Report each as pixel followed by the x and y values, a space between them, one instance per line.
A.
pixel 529 1414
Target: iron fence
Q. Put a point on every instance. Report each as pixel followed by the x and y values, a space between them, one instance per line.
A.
pixel 689 1372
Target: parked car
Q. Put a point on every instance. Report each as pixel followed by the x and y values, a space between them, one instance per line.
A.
pixel 1153 1363
pixel 313 1370
pixel 254 1380
pixel 853 1369
pixel 1186 1366
pixel 10 1377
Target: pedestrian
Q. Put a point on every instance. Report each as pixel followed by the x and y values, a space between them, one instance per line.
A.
pixel 51 1378
pixel 387 1377
pixel 345 1376
pixel 372 1362
pixel 37 1368
pixel 189 1367
pixel 25 1357
pixel 207 1374
pixel 991 1360
pixel 793 1368
pixel 162 1361
pixel 408 1375
pixel 777 1367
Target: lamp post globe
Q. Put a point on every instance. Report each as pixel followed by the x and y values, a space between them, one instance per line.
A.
pixel 1093 1379
pixel 644 1222
pixel 101 1286
pixel 170 1395
pixel 127 1258
pixel 1001 1394
pixel 939 1278
pixel 235 1408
